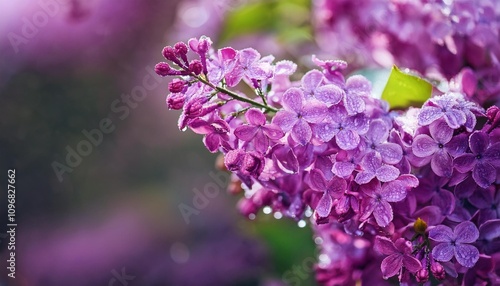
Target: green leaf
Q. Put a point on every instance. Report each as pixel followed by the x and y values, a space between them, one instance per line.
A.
pixel 403 90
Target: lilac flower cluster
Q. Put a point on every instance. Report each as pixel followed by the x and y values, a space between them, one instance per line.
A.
pixel 410 194
pixel 447 36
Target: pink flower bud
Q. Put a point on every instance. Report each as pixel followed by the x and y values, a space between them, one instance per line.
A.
pixel 181 49
pixel 196 67
pixel 176 100
pixel 169 53
pixel 422 275
pixel 437 270
pixel 176 85
pixel 163 69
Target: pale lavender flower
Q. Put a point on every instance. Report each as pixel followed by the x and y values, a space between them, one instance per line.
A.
pixel 376 140
pixel 372 167
pixel 484 160
pixel 444 106
pixel 312 85
pixel 298 114
pixel 441 146
pixel 346 129
pixel 257 131
pixel 456 243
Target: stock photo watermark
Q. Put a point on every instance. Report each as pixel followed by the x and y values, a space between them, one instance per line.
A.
pixel 120 278
pixel 299 274
pixel 30 26
pixel 201 198
pixel 120 107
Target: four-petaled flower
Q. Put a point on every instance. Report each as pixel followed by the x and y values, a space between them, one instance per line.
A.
pixel 328 93
pixel 258 131
pixel 441 145
pixel 297 115
pixel 442 106
pixel 456 243
pixel 373 167
pixel 331 190
pixel 484 160
pixel 399 255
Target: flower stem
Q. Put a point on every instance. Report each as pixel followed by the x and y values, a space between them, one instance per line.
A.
pixel 236 96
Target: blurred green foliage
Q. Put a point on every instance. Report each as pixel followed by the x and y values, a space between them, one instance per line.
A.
pixel 403 90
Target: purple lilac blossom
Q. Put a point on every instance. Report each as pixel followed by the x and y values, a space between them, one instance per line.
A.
pixel 323 148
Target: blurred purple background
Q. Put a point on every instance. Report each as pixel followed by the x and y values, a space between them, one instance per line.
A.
pixel 112 217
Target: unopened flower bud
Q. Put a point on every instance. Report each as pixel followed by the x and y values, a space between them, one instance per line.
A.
pixel 247 207
pixel 437 270
pixel 163 69
pixel 176 101
pixel 253 164
pixel 196 67
pixel 422 275
pixel 176 85
pixel 204 45
pixel 169 53
pixel 181 49
pixel 420 226
pixel 234 160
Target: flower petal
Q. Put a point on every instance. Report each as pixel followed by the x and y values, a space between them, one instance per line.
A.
pixel 347 139
pixel 292 99
pixel 484 174
pixel 245 132
pixel 429 114
pixel 330 94
pixel 411 263
pixel 454 118
pixel 466 232
pixel 384 245
pixel 443 252
pixel 255 117
pixel 272 131
pixel 391 153
pixel 324 205
pixel 387 173
pixel 314 111
pixel 467 255
pixel 261 142
pixel 441 132
pixel 478 142
pixel 383 213
pixel 424 146
pixel 441 164
pixel 441 233
pixel 465 162
pixel 285 119
pixel 391 265
pixel 394 191
pixel 301 132
pixel 353 104
pixel 310 81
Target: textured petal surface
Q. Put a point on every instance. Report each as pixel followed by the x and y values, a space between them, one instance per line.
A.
pixel 273 131
pixel 255 117
pixel 301 132
pixel 441 233
pixel 285 119
pixel 441 164
pixel 330 94
pixel 478 142
pixel 466 232
pixel 314 111
pixel 484 174
pixel 411 263
pixel 347 139
pixel 465 163
pixel 384 245
pixel 394 191
pixel 424 146
pixel 443 252
pixel 441 132
pixel 467 255
pixel 324 205
pixel 454 118
pixel 245 132
pixel 391 153
pixel 391 265
pixel 310 81
pixel 292 100
pixel 383 213
pixel 429 114
pixel 387 173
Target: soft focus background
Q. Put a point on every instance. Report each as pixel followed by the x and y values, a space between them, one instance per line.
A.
pixel 113 215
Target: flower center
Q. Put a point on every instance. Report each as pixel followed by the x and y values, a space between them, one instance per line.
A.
pixel 440 146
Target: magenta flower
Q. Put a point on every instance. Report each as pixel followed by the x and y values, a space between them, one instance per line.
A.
pixel 376 139
pixel 399 256
pixel 378 198
pixel 456 243
pixel 312 86
pixel 250 66
pixel 445 106
pixel 257 131
pixel 441 145
pixel 373 167
pixel 346 129
pixel 216 133
pixel 484 160
pixel 298 114
pixel 332 189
